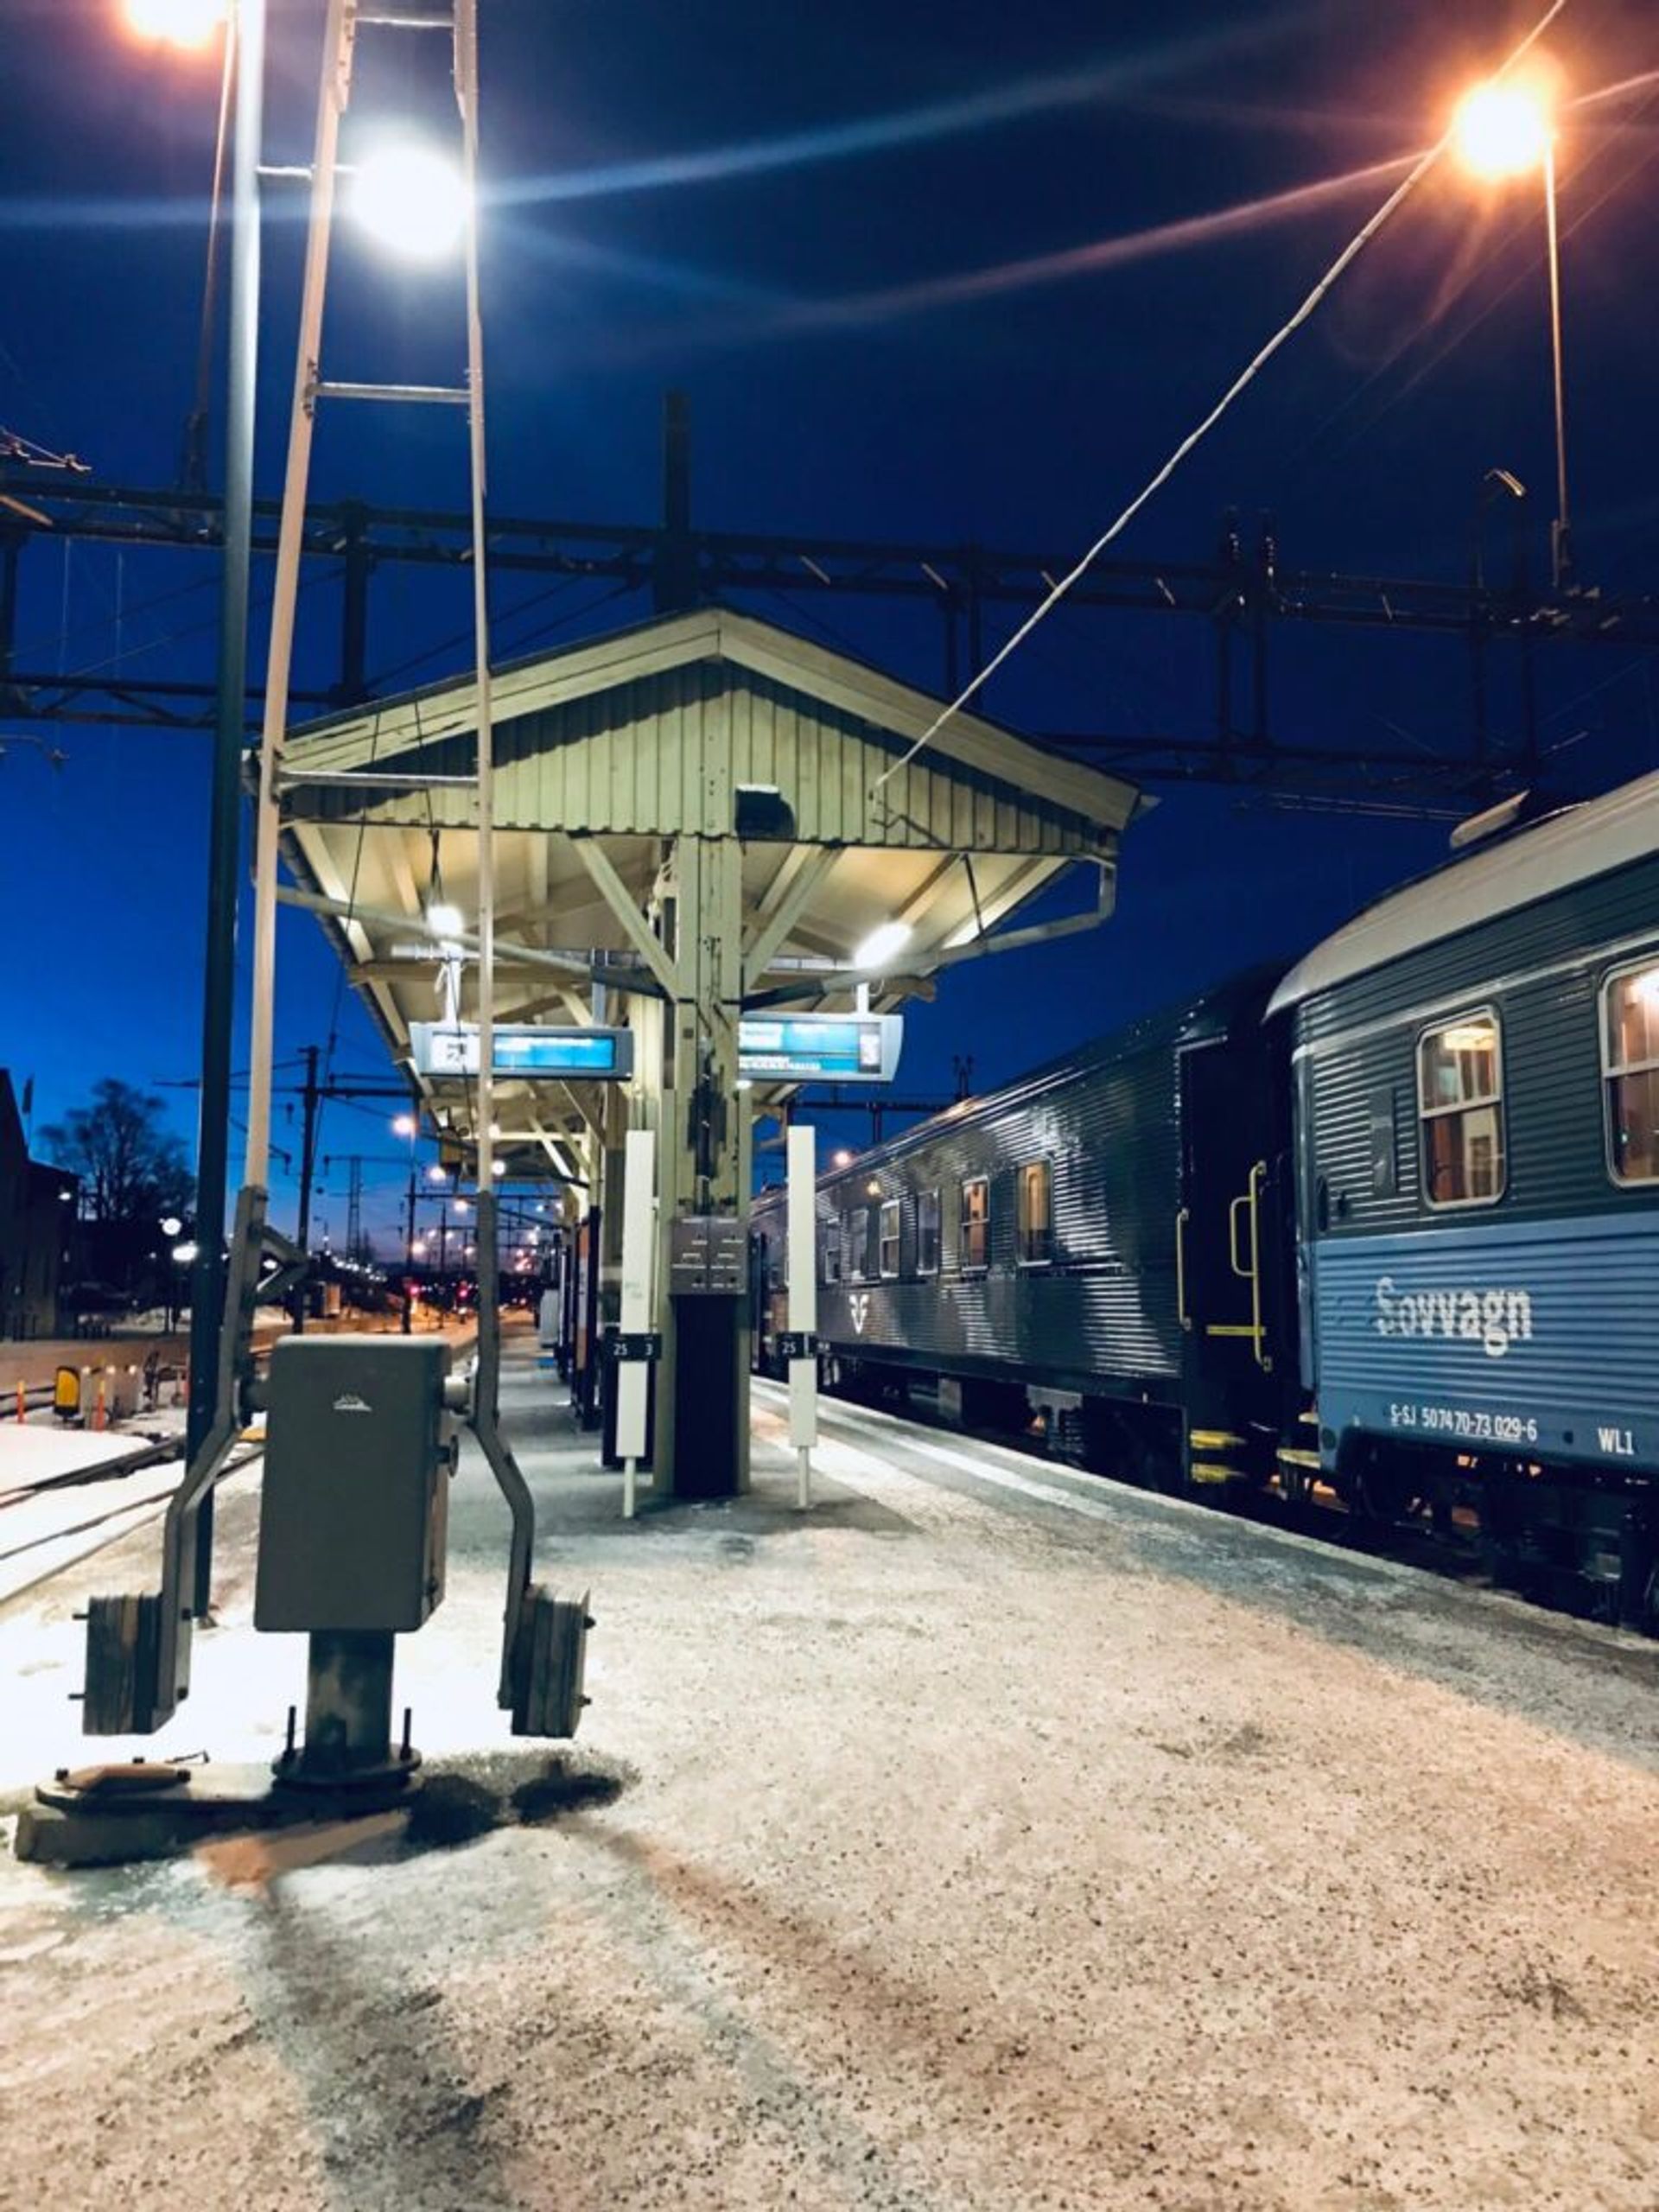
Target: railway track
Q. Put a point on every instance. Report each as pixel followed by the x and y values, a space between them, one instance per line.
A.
pixel 61 1519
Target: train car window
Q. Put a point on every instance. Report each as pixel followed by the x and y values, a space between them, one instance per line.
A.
pixel 1385 1173
pixel 1460 1111
pixel 927 1233
pixel 975 1224
pixel 832 1251
pixel 888 1253
pixel 1036 1242
pixel 852 1245
pixel 1629 1068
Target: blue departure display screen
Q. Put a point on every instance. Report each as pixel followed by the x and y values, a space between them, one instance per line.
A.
pixel 523 1049
pixel 551 1051
pixel 823 1047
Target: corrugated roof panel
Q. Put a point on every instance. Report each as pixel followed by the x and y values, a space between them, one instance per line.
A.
pixel 661 752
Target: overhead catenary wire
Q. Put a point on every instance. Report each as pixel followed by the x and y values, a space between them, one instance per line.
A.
pixel 1194 437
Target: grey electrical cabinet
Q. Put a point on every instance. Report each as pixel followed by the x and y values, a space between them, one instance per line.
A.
pixel 354 1512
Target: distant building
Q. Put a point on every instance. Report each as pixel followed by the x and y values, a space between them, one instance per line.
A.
pixel 37 1228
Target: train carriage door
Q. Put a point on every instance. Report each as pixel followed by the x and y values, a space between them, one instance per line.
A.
pixel 1221 1257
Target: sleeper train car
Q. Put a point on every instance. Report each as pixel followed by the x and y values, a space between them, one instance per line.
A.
pixel 1476 1103
pixel 1388 1225
pixel 1110 1239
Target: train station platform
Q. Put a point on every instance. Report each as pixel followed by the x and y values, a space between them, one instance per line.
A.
pixel 987 1838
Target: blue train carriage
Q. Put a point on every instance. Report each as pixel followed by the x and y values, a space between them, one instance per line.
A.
pixel 1477 1090
pixel 1107 1244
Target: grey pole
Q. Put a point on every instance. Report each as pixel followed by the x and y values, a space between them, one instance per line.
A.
pixel 1561 537
pixel 218 981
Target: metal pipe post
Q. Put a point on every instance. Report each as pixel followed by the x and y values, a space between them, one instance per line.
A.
pixel 331 103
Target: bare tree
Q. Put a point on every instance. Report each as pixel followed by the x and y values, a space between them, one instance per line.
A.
pixel 133 1170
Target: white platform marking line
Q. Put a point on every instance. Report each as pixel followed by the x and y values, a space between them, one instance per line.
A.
pixel 1000 1478
pixel 870 1468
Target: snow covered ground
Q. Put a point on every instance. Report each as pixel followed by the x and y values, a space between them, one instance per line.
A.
pixel 986 1839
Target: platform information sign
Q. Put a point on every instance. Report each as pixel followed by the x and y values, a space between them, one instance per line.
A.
pixel 523 1049
pixel 819 1047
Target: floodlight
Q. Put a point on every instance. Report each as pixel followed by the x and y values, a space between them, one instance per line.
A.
pixel 411 200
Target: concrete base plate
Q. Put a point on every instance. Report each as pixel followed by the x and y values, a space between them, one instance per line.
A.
pixel 111 1817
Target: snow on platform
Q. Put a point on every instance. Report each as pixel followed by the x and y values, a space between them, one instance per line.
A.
pixel 987 1838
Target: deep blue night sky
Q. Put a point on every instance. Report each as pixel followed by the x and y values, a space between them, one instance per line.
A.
pixel 835 229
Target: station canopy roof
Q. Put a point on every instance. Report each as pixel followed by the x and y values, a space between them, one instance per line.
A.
pixel 608 750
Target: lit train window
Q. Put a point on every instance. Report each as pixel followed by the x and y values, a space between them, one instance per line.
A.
pixel 975 1224
pixel 832 1251
pixel 1460 1111
pixel 927 1233
pixel 1035 1239
pixel 889 1249
pixel 1630 1067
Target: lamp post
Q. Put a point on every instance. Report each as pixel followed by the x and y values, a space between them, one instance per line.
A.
pixel 172 1229
pixel 191 24
pixel 1507 129
pixel 407 1126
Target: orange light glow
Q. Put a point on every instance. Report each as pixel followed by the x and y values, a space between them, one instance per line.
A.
pixel 191 24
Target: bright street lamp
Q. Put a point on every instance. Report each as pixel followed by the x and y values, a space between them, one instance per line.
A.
pixel 1502 129
pixel 411 200
pixel 1506 130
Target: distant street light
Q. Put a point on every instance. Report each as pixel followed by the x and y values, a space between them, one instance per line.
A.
pixel 1507 129
pixel 412 200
